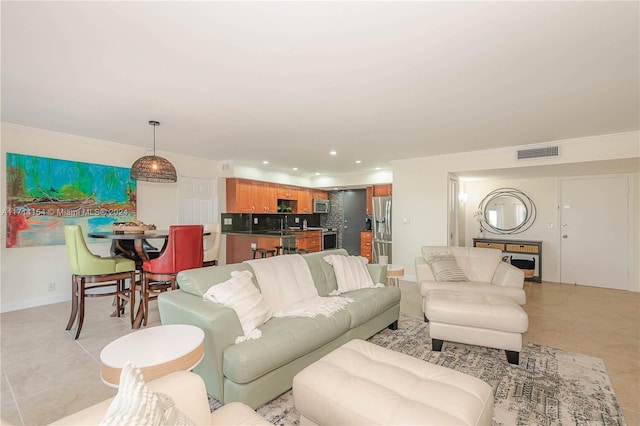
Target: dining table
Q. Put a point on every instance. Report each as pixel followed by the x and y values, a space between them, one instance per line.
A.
pixel 138 238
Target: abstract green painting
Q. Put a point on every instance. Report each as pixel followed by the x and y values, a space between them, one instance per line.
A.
pixel 44 194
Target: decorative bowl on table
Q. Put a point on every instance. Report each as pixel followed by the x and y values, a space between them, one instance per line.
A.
pixel 132 227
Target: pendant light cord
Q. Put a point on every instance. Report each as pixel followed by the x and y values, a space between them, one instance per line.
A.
pixel 154 124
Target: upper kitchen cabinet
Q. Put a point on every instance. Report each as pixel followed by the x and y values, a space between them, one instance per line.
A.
pixel 382 190
pixel 248 196
pixel 305 201
pixel 266 200
pixel 286 192
pixel 240 196
pixel 252 196
pixel 317 194
pixel 369 195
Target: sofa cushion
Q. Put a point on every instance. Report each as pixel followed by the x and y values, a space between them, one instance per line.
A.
pixel 198 281
pixel 370 302
pixel 322 273
pixel 239 294
pixel 351 272
pixel 283 340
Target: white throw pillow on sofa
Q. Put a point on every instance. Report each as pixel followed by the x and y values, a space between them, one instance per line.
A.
pixel 239 294
pixel 351 272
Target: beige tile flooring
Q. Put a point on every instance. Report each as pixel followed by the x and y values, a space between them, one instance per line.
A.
pixel 46 375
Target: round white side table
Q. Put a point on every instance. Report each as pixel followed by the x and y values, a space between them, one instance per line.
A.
pixel 394 272
pixel 157 351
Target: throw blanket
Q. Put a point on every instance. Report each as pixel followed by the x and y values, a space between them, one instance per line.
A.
pixel 288 288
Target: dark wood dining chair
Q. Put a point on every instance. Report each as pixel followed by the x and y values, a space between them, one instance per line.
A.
pixel 90 272
pixel 184 250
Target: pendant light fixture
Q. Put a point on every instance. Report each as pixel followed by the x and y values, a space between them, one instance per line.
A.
pixel 152 168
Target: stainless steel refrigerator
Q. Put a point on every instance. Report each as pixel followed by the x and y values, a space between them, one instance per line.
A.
pixel 381 228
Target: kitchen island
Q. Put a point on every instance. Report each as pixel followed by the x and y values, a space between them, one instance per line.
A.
pixel 239 244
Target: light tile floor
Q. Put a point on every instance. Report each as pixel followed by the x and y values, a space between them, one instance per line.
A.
pixel 46 375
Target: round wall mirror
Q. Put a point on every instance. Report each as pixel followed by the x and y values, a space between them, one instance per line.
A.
pixel 506 211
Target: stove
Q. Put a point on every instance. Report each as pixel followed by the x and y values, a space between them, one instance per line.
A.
pixel 329 239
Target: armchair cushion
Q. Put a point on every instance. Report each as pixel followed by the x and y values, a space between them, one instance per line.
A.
pixel 445 267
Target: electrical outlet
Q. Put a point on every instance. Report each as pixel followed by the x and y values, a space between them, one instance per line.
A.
pixel 51 286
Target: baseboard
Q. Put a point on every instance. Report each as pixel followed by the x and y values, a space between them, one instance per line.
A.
pixel 32 303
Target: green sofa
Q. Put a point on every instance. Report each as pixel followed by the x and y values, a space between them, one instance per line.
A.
pixel 257 371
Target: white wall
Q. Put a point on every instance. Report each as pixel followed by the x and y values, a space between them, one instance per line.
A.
pixel 25 272
pixel 420 191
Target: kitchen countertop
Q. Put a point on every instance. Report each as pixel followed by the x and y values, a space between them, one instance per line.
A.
pixel 271 233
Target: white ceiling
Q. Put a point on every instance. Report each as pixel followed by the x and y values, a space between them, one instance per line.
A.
pixel 289 81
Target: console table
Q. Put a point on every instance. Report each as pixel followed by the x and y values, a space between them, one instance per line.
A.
pixel 515 247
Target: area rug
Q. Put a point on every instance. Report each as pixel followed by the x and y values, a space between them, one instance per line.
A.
pixel 549 387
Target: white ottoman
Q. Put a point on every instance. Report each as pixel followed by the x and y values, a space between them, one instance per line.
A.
pixel 362 384
pixel 476 319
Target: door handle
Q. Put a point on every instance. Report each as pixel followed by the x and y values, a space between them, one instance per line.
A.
pixel 565 236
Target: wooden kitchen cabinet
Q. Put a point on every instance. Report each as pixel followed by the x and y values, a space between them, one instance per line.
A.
pixel 286 192
pixel 305 202
pixel 382 190
pixel 317 194
pixel 366 242
pixel 240 196
pixel 250 196
pixel 266 200
pixel 311 240
pixel 369 195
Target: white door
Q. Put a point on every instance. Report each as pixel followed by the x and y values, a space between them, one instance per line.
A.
pixel 595 231
pixel 197 201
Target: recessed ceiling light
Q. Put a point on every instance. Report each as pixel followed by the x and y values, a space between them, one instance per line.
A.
pixel 295 169
pixel 317 174
pixel 265 162
pixel 377 168
pixel 332 152
pixel 358 161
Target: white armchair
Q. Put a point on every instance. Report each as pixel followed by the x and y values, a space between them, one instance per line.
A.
pixel 484 268
pixel 188 392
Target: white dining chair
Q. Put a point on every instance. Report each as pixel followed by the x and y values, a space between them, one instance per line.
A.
pixel 211 244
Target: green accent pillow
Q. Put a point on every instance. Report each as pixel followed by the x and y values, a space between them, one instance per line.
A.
pixel 445 268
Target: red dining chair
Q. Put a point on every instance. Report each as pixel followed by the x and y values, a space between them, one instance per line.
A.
pixel 184 250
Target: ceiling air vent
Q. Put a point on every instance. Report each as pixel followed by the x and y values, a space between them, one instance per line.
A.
pixel 551 151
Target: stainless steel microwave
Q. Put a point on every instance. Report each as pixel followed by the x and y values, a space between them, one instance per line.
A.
pixel 320 205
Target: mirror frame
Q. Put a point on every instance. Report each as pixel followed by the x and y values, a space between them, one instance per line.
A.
pixel 528 203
